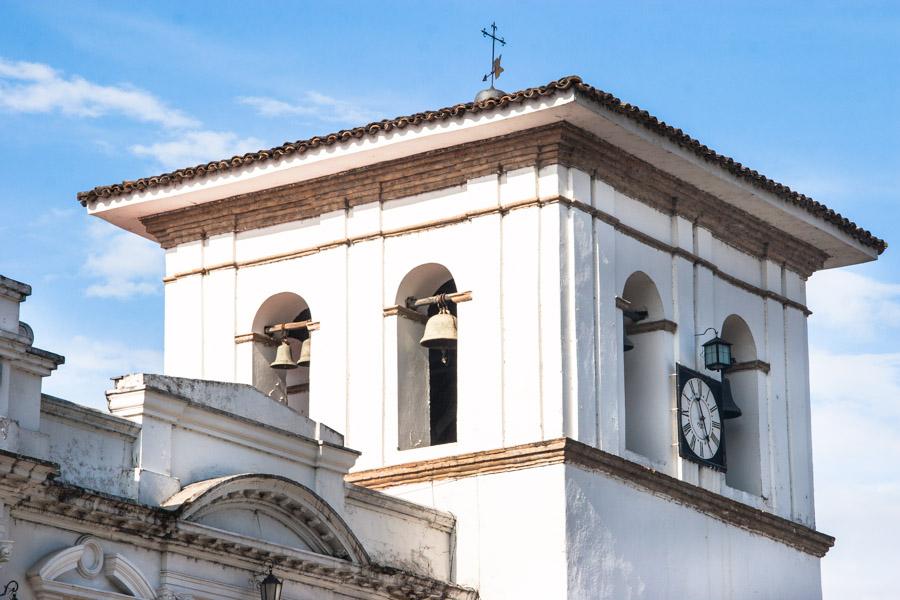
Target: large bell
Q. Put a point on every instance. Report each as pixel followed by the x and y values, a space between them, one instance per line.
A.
pixel 730 409
pixel 283 358
pixel 440 331
pixel 304 352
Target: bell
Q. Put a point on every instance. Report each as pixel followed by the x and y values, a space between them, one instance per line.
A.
pixel 440 331
pixel 283 358
pixel 627 344
pixel 730 409
pixel 304 353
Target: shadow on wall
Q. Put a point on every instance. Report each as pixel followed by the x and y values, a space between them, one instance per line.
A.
pixel 743 450
pixel 648 430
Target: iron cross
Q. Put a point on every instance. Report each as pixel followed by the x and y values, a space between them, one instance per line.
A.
pixel 496 69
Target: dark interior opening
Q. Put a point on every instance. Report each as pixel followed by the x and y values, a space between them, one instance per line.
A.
pixel 442 382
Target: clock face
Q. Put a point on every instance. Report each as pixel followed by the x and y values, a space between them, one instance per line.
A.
pixel 701 423
pixel 701 435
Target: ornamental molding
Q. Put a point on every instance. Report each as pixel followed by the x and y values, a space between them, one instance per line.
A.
pixel 87 558
pixel 563 144
pixel 72 508
pixel 295 506
pixel 566 451
pixel 596 213
pixel 6 548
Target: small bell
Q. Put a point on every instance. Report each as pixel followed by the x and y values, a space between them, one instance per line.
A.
pixel 627 344
pixel 440 331
pixel 730 409
pixel 283 358
pixel 304 352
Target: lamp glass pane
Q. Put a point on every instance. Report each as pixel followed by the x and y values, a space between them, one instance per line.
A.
pixel 270 588
pixel 725 353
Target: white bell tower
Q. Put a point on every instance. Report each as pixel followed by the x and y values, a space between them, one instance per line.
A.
pixel 581 246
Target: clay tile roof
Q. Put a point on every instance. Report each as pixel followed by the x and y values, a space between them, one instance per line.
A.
pixel 605 99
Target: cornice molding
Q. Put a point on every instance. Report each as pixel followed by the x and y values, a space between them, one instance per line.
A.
pixel 648 326
pixel 570 452
pixel 76 509
pixel 562 144
pixel 14 290
pixel 750 365
pixel 536 202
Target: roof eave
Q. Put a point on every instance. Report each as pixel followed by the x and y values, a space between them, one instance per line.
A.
pixel 842 249
pixel 126 210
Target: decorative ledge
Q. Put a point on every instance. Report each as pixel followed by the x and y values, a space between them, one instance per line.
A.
pixel 571 452
pixel 648 326
pixel 750 365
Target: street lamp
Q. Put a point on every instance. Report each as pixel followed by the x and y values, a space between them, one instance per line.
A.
pixel 270 587
pixel 717 353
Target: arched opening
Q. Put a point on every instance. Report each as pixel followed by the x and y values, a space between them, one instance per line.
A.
pixel 742 434
pixel 291 386
pixel 426 378
pixel 648 429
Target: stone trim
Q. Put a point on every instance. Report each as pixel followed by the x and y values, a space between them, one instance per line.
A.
pixel 648 326
pixel 14 290
pixel 392 506
pixel 88 417
pixel 597 213
pixel 750 365
pixel 681 252
pixel 560 143
pixel 570 452
pixel 73 508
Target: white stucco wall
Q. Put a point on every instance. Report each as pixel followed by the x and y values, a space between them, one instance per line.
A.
pixel 510 535
pixel 540 352
pixel 624 543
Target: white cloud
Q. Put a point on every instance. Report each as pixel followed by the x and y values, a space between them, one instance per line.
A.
pixel 91 362
pixel 194 147
pixel 37 88
pixel 122 264
pixel 850 303
pixel 856 417
pixel 314 105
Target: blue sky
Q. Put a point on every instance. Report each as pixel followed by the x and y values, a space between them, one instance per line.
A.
pixel 806 92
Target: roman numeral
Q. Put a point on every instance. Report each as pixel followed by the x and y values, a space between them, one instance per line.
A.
pixel 714 439
pixel 686 428
pixel 685 413
pixel 713 408
pixel 715 425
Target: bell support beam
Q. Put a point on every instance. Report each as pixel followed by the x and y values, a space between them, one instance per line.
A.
pixel 455 298
pixel 309 325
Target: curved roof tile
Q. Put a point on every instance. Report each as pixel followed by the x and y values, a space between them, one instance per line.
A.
pixel 605 99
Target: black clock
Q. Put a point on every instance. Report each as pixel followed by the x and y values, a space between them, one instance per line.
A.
pixel 701 435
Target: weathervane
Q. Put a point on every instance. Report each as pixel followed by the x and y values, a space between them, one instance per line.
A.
pixel 496 69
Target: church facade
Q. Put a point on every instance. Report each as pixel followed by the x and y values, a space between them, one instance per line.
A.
pixel 508 317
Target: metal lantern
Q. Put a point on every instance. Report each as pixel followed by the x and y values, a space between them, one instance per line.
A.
pixel 270 587
pixel 717 354
pixel 11 588
pixel 283 358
